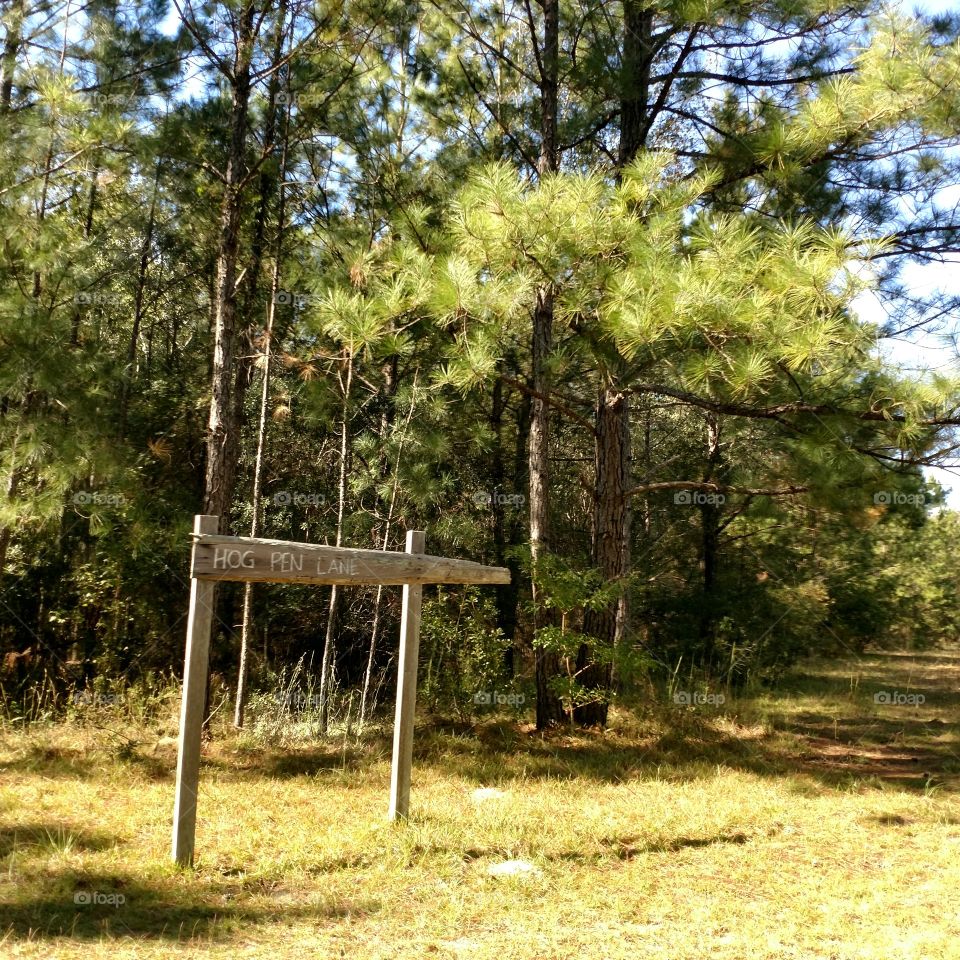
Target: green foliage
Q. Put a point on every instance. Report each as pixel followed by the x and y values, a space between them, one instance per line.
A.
pixel 462 652
pixel 792 159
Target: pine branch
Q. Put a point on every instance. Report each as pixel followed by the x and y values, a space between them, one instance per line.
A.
pixel 715 488
pixel 778 411
pixel 552 400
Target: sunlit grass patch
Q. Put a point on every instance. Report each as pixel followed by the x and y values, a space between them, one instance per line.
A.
pixel 751 831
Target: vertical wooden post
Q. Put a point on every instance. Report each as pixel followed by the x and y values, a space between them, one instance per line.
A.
pixel 195 667
pixel 406 690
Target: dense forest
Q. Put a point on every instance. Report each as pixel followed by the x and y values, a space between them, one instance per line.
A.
pixel 573 287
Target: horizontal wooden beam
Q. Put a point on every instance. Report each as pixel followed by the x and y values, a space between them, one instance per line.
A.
pixel 279 561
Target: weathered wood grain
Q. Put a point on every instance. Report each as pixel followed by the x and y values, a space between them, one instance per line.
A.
pixel 279 561
pixel 400 772
pixel 199 621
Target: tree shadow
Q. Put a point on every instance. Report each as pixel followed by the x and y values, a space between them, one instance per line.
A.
pixel 628 848
pixel 300 759
pixel 840 736
pixel 612 848
pixel 312 761
pixel 834 743
pixel 95 906
pixel 51 838
pixel 51 761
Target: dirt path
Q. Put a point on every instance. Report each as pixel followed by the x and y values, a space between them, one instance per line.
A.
pixel 894 719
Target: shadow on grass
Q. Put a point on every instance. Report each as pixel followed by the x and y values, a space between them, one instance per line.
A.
pixel 312 761
pixel 298 760
pixel 835 744
pixel 934 673
pixel 48 838
pixel 629 849
pixel 65 762
pixel 612 848
pixel 96 906
pixel 819 724
pixel 909 754
pixel 71 763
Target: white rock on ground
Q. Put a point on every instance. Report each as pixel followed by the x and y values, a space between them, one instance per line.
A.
pixel 511 868
pixel 487 793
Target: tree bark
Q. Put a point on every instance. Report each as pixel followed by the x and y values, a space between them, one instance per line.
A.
pixel 326 665
pixel 222 446
pixel 8 60
pixel 266 188
pixel 246 623
pixel 710 513
pixel 248 314
pixel 547 664
pixel 221 451
pixel 128 373
pixel 389 389
pixel 504 532
pixel 611 551
pixel 635 80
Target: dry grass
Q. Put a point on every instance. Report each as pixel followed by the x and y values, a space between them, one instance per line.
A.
pixel 810 823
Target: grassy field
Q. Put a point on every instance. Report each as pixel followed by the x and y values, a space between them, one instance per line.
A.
pixel 811 822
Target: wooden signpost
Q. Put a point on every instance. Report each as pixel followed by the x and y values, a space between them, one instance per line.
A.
pixel 218 557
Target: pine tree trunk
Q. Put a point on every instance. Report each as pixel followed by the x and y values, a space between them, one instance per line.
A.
pixel 635 79
pixel 144 262
pixel 245 363
pixel 366 705
pixel 611 550
pixel 518 526
pixel 8 60
pixel 549 87
pixel 371 655
pixel 710 538
pixel 221 451
pixel 326 666
pixel 246 620
pixel 221 446
pixel 507 596
pixel 547 664
pixel 612 514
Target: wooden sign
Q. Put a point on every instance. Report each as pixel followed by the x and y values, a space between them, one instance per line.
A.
pixel 248 558
pixel 278 561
